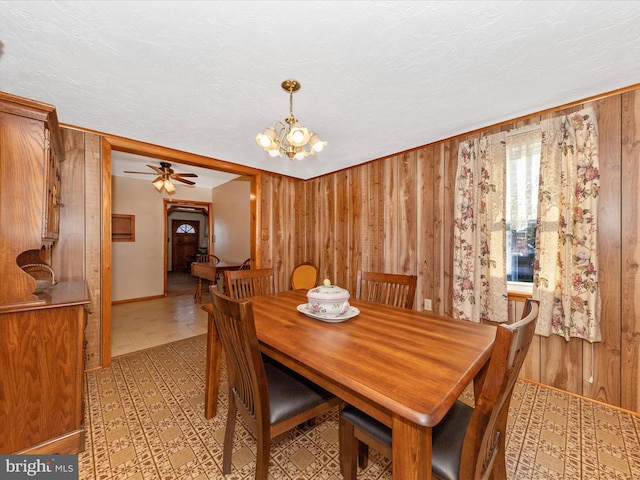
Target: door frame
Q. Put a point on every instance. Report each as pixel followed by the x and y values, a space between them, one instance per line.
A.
pixel 168 203
pixel 127 145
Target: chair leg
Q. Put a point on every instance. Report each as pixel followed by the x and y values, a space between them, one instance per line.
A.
pixel 198 295
pixel 363 454
pixel 228 435
pixel 263 452
pixel 348 450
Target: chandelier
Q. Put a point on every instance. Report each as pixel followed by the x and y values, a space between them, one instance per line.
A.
pixel 292 138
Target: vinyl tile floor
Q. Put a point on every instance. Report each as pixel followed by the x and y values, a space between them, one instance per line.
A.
pixel 145 421
pixel 136 326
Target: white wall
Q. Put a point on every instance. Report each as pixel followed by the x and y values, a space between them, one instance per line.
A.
pixel 231 221
pixel 137 267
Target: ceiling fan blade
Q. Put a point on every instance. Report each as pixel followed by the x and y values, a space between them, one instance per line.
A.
pixel 159 171
pixel 184 175
pixel 141 173
pixel 188 182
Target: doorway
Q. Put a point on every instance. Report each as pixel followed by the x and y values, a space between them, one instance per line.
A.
pixel 188 232
pixel 185 237
pixel 134 147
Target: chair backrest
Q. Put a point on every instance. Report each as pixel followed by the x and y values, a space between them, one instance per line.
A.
pixel 250 283
pixel 208 258
pixel 246 265
pixel 388 288
pixel 486 432
pixel 245 369
pixel 304 276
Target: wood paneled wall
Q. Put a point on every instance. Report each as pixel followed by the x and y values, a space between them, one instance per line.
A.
pixel 77 254
pixel 629 241
pixel 395 215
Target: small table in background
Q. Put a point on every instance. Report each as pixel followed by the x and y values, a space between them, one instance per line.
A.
pixel 210 273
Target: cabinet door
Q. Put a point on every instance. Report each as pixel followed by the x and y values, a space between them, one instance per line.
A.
pixel 41 379
pixel 51 219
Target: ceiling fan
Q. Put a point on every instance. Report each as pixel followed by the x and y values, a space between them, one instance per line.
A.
pixel 165 175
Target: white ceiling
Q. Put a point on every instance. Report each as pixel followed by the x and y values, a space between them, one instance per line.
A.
pixel 377 77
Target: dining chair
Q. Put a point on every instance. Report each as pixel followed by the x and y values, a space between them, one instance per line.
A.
pixel 304 275
pixel 241 284
pixel 468 443
pixel 207 258
pixel 246 265
pixel 271 398
pixel 388 288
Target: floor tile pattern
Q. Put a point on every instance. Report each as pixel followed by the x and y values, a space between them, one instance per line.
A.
pixel 144 421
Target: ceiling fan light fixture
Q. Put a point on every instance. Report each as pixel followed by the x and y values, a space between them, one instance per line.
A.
pixel 168 186
pixel 290 137
pixel 158 183
pixel 164 176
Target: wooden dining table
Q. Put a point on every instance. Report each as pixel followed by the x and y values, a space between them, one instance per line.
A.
pixel 403 367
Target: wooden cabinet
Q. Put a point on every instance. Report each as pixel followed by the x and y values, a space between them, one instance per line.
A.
pixel 41 334
pixel 41 378
pixel 30 155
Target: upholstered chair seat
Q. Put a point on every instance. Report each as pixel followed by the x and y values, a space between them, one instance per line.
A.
pixel 447 437
pixel 291 394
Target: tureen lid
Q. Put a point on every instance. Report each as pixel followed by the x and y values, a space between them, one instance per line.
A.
pixel 326 291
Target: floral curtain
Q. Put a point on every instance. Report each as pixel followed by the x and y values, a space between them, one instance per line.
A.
pixel 566 269
pixel 479 272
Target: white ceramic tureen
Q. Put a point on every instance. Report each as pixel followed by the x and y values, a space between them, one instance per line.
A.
pixel 328 300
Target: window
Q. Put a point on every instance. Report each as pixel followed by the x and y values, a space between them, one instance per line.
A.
pixel 185 228
pixel 523 170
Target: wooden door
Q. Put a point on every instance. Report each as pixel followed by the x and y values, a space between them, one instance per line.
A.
pixel 184 243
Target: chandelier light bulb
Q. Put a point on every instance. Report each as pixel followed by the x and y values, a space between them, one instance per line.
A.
pixel 316 144
pixel 264 141
pixel 274 149
pixel 297 136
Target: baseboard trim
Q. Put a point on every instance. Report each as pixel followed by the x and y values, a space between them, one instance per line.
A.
pixel 140 299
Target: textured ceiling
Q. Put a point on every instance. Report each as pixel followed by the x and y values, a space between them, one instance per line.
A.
pixel 377 77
